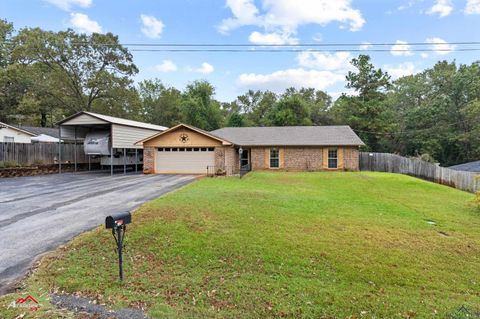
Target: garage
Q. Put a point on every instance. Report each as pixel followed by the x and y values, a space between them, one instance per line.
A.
pixel 185 160
pixel 184 149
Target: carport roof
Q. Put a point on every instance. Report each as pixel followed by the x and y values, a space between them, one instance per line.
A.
pixel 290 136
pixel 115 120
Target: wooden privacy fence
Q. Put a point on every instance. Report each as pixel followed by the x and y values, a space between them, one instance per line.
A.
pixel 391 163
pixel 45 153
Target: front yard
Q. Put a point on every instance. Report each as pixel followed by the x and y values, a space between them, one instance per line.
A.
pixel 312 245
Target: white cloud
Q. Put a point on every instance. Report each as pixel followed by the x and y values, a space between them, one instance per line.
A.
pixel 401 48
pixel 324 60
pixel 406 6
pixel 271 38
pixel 82 23
pixel 424 55
pixel 440 46
pixel 152 27
pixel 280 80
pixel 441 7
pixel 404 69
pixel 67 4
pixel 472 7
pixel 285 16
pixel 166 66
pixel 365 46
pixel 206 68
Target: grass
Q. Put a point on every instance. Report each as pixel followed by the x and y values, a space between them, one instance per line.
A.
pixel 311 245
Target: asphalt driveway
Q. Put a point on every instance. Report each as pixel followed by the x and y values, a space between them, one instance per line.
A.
pixel 39 213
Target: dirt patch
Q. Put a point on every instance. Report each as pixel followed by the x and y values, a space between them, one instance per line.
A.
pixel 87 308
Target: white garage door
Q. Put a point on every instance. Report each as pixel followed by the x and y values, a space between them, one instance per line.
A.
pixel 184 160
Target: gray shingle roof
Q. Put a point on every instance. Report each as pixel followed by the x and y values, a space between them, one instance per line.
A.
pixel 468 167
pixel 53 132
pixel 290 135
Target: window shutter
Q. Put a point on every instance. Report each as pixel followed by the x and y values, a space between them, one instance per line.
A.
pixel 266 163
pixel 325 158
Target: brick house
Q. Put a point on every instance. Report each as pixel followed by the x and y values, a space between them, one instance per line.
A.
pixel 184 149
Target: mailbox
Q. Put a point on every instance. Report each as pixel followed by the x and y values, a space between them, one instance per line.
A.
pixel 118 219
pixel 117 222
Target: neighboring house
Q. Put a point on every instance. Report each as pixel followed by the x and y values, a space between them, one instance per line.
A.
pixel 13 134
pixel 42 134
pixel 467 167
pixel 187 149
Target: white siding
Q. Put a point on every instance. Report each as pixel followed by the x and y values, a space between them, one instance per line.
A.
pixel 69 131
pixel 19 137
pixel 127 136
pixel 84 119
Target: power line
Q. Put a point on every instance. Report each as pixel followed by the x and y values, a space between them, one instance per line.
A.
pixel 268 45
pixel 299 50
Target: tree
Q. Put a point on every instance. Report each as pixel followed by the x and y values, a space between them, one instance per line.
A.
pixel 289 111
pixel 369 82
pixel 161 105
pixel 235 120
pixel 83 68
pixel 366 112
pixel 199 108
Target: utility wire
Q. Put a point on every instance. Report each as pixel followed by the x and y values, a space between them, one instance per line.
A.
pixel 310 50
pixel 266 45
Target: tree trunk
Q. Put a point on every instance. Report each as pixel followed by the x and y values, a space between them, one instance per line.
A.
pixel 43 120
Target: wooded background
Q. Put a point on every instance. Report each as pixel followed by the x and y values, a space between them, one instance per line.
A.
pixel 45 76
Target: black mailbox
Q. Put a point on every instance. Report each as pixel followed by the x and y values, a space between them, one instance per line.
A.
pixel 117 222
pixel 118 219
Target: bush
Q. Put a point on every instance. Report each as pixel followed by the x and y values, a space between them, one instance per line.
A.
pixel 37 162
pixel 2 164
pixel 9 164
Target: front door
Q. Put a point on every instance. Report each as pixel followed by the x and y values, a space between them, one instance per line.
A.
pixel 245 158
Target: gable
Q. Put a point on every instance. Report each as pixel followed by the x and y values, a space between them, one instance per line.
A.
pixel 83 119
pixel 180 137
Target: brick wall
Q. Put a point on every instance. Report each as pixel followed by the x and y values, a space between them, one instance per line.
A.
pixel 303 158
pixel 257 158
pixel 219 157
pixel 149 160
pixel 232 160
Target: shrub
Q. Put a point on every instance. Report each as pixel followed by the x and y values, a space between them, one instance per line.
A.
pixel 9 164
pixel 2 164
pixel 37 162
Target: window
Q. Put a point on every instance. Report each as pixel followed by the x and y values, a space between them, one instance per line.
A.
pixel 274 158
pixel 8 139
pixel 189 149
pixel 332 158
pixel 167 149
pixel 210 149
pixel 160 149
pixel 204 149
pixel 196 149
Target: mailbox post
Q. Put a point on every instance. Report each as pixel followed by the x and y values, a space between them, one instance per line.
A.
pixel 117 223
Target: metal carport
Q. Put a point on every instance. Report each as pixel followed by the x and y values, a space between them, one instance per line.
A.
pixel 123 133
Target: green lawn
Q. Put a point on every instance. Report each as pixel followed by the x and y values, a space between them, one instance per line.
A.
pixel 311 245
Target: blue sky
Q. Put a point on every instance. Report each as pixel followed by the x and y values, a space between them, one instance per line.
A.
pixel 261 22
